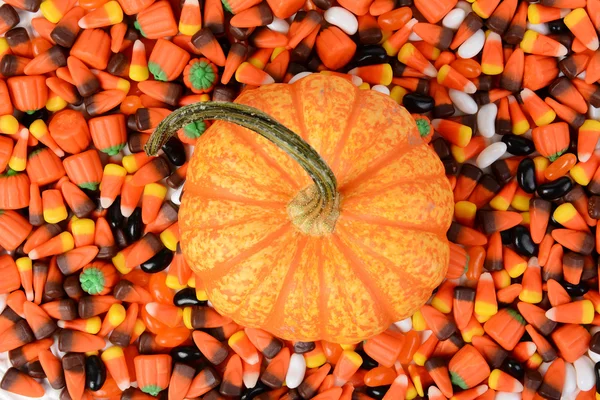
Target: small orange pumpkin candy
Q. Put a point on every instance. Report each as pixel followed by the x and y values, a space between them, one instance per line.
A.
pixel 14 190
pixel 340 258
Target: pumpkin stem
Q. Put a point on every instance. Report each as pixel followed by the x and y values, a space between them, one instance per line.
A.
pixel 316 212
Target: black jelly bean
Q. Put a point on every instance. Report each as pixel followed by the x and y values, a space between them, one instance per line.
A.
pixel 120 239
pixel 368 55
pixel 557 27
pixel 159 262
pixel 113 214
pixel 175 151
pixel 186 354
pixel 187 297
pixel 525 337
pixel 597 375
pixel 518 145
pixel 506 236
pixel 441 148
pixel 595 343
pixel 27 119
pixel 368 362
pixel 556 189
pixel 450 166
pixel 254 392
pixel 526 175
pixel 513 368
pixel 304 347
pixel 377 392
pixel 95 373
pixel 523 242
pixel 134 229
pixel 575 290
pixel 418 103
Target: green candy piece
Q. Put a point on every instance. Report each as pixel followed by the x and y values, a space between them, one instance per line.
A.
pixel 92 281
pixel 202 75
pixel 195 129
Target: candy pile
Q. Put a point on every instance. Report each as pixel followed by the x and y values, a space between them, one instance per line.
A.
pixel 501 89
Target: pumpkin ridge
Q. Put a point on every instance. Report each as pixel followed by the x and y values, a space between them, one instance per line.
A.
pixel 350 122
pixel 224 266
pixel 356 263
pixel 252 143
pixel 278 307
pixel 384 260
pixel 234 314
pixel 322 289
pixel 226 224
pixel 373 220
pixel 392 185
pixel 209 194
pixel 395 152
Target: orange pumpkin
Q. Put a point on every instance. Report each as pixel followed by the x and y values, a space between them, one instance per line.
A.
pixel 338 258
pixel 14 190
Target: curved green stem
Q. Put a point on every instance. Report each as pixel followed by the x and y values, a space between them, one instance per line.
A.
pixel 259 122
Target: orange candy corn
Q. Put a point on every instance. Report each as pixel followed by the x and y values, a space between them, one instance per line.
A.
pixel 15 381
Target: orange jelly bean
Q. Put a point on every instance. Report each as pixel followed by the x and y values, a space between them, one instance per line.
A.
pixel 172 337
pixel 560 166
pixel 411 344
pixel 467 67
pixel 476 259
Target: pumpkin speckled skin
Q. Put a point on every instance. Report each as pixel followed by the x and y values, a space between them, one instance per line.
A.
pixel 388 250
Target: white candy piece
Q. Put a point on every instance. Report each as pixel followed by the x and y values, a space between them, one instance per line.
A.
pixel 296 371
pixel 544 367
pixel 413 37
pixel 176 196
pixel 472 46
pixel 454 18
pixel 343 19
pixel 595 357
pixel 424 335
pixel 584 370
pixel 486 120
pixel 356 80
pixel 571 396
pixel 381 89
pixel 281 26
pixel 490 154
pixel 299 76
pixel 570 380
pixel 507 396
pixel 593 112
pixel 594 330
pixel 463 101
pixel 3 298
pixel 404 325
pixel 543 28
pixel 250 379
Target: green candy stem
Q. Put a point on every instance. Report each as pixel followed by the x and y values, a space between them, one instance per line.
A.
pixel 92 281
pixel 202 75
pixel 194 129
pixel 152 390
pixel 423 127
